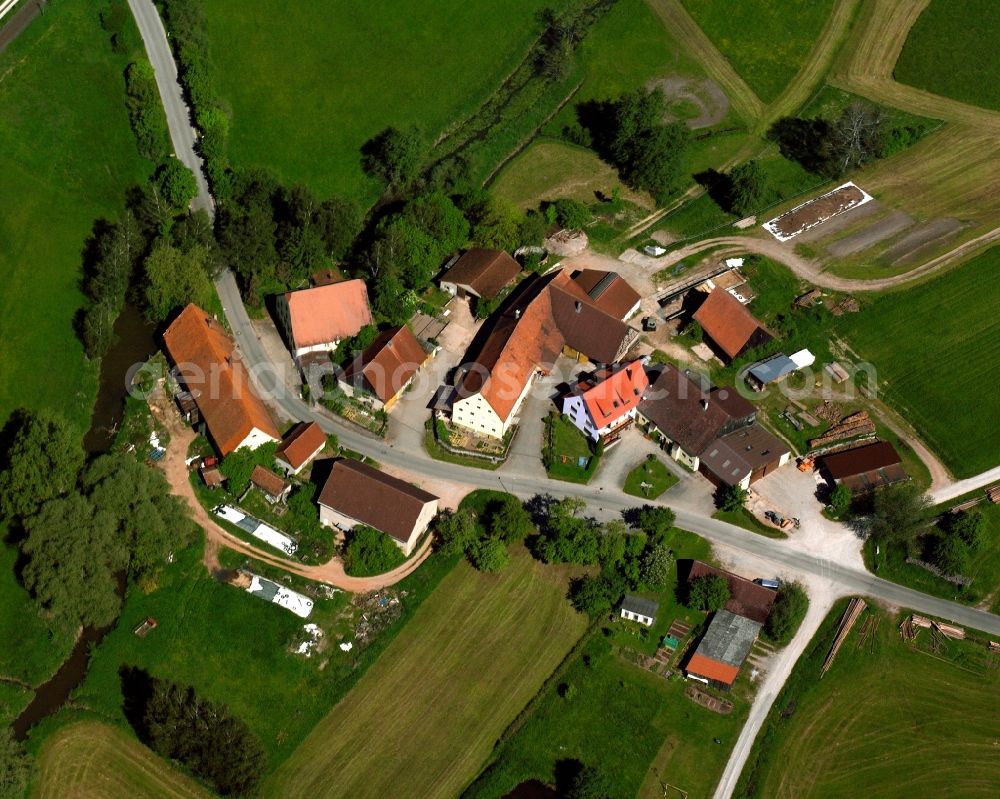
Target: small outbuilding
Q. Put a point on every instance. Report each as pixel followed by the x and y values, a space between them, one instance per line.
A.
pixel 722 650
pixel 635 608
pixel 863 469
pixel 729 325
pixel 273 488
pixel 301 445
pixel 480 273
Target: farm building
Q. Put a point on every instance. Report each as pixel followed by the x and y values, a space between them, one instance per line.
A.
pixel 746 598
pixel 711 430
pixel 778 367
pixel 603 404
pixel 480 273
pixel 319 318
pixel 730 327
pixel 722 650
pixel 273 488
pixel 635 608
pixel 356 493
pixel 380 374
pixel 301 445
pixel 210 369
pixel 863 469
pixel 609 292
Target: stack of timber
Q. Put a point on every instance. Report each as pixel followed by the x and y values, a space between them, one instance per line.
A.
pixel 854 609
pixel 853 426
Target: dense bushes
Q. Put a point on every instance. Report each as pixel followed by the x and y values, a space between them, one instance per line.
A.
pixel 483 528
pixel 787 613
pixel 367 552
pixel 145 113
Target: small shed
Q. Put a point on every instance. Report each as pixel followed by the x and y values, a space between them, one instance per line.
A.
pixel 270 485
pixel 635 608
pixel 211 476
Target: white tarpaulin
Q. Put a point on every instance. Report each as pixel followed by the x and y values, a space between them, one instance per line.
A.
pixel 275 539
pixel 229 514
pixel 273 592
pixel 802 359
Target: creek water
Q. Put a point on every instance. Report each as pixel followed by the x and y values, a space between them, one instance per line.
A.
pixel 135 342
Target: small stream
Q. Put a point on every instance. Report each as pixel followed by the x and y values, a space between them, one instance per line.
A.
pixel 135 342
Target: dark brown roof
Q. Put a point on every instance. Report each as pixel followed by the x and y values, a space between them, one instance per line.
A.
pixel 727 322
pixel 585 327
pixel 747 599
pixel 757 445
pixel 301 444
pixel 374 498
pixel 861 459
pixel 389 363
pixel 268 482
pixel 486 272
pixel 676 404
pixel 609 291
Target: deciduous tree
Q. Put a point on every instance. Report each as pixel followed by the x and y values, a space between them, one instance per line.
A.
pixel 709 592
pixel 175 278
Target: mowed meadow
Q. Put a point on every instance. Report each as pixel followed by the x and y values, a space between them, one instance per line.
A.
pixel 308 86
pixel 425 717
pixel 935 347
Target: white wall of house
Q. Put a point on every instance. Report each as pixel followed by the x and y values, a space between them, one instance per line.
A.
pixel 452 288
pixel 575 409
pixel 628 614
pixel 478 415
pixel 283 464
pixel 634 310
pixel 255 438
pixel 326 346
pixel 332 518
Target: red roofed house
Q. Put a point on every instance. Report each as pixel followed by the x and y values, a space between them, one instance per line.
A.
pixel 301 445
pixel 380 374
pixel 730 326
pixel 209 368
pixel 319 318
pixel 270 485
pixel 604 404
pixel 356 493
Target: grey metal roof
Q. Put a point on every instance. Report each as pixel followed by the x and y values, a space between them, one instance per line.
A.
pixel 644 607
pixel 729 638
pixel 773 369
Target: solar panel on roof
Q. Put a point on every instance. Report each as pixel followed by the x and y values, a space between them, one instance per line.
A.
pixel 602 285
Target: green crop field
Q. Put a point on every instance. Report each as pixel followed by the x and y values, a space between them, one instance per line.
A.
pixel 428 712
pixel 951 51
pixel 889 719
pixel 91 760
pixel 766 41
pixel 935 347
pixel 66 158
pixel 309 83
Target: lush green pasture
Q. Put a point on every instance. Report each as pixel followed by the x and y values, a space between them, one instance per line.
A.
pixel 951 51
pixel 652 472
pixel 309 83
pixel 427 713
pixel 889 719
pixel 66 156
pixel 935 347
pixel 766 41
pixel 92 760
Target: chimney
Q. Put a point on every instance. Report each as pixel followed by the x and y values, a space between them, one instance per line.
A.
pixel 517 313
pixel 579 306
pixel 704 404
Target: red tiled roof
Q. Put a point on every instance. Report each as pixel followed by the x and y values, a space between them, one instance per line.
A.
pixel 486 272
pixel 746 599
pixel 727 322
pixel 712 669
pixel 328 313
pixel 214 373
pixel 374 498
pixel 609 291
pixel 268 482
pixel 305 440
pixel 389 363
pixel 611 394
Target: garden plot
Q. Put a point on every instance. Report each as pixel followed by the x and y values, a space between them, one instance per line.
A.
pixel 817 211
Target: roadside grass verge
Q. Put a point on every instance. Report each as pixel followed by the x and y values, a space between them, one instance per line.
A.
pixel 767 41
pixel 850 732
pixel 951 51
pixel 90 759
pixel 745 519
pixel 428 712
pixel 935 346
pixel 657 477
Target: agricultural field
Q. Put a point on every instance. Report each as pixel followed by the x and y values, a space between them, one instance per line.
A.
pixel 951 51
pixel 428 712
pixel 308 88
pixel 888 719
pixel 93 760
pixel 767 41
pixel 66 157
pixel 934 346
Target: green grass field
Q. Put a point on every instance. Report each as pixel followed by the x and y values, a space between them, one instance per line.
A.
pixel 66 157
pixel 951 51
pixel 564 449
pixel 310 85
pixel 652 472
pixel 427 714
pixel 935 346
pixel 766 41
pixel 92 760
pixel 889 719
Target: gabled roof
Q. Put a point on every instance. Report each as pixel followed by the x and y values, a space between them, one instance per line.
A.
pixel 683 411
pixel 727 322
pixel 724 647
pixel 213 372
pixel 374 498
pixel 485 272
pixel 328 313
pixel 268 482
pixel 611 393
pixel 609 291
pixel 585 327
pixel 746 599
pixel 637 604
pixel 702 666
pixel 774 368
pixel 388 364
pixel 756 445
pixel 861 459
pixel 301 444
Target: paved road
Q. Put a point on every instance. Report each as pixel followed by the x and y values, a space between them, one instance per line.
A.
pixel 956 489
pixel 182 134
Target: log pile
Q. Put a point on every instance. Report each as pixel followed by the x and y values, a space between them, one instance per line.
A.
pixel 854 610
pixel 857 424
